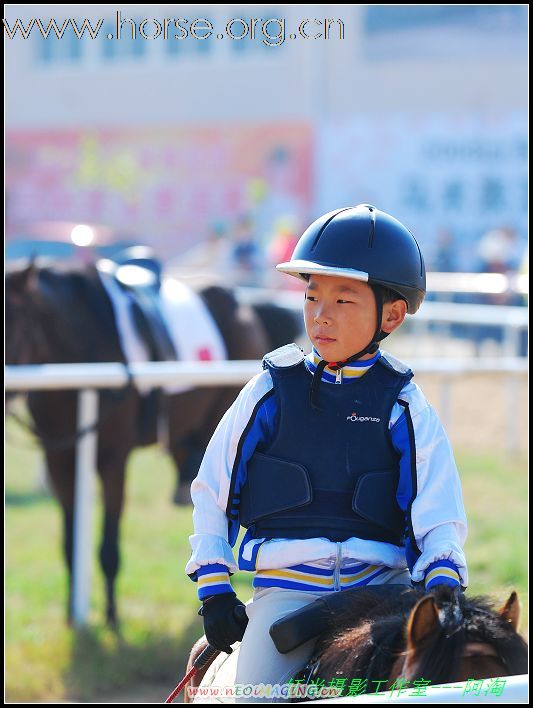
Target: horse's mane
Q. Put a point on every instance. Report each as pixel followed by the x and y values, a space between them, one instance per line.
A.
pixel 82 285
pixel 370 638
pixel 368 648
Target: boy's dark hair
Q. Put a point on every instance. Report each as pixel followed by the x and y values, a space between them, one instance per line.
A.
pixel 387 294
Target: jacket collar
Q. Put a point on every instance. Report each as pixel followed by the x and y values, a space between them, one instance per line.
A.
pixel 350 372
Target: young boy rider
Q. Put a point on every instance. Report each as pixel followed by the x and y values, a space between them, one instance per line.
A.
pixel 335 462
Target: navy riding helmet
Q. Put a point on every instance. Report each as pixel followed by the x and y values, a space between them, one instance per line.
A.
pixel 365 244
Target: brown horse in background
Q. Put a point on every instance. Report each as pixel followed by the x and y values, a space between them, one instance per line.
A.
pixel 64 315
pixel 379 635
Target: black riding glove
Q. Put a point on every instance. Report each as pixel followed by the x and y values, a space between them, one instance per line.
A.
pixel 224 620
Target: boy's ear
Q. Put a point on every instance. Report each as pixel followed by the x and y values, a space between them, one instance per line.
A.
pixel 393 315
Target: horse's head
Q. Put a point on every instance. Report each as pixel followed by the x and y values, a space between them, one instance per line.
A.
pixel 440 637
pixel 25 314
pixel 452 638
pixel 52 315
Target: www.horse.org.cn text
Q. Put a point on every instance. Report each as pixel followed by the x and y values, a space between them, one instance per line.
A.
pixel 272 32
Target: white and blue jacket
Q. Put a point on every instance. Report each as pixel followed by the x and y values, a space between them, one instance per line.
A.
pixel 428 493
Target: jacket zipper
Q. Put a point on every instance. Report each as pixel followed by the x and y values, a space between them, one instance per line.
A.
pixel 338 376
pixel 337 573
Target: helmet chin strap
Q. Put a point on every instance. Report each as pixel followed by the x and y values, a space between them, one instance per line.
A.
pixel 370 348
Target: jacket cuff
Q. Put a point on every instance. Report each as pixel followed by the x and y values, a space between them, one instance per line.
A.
pixel 438 545
pixel 213 579
pixel 441 572
pixel 208 549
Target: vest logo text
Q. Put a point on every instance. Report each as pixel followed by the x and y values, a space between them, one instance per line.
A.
pixel 362 419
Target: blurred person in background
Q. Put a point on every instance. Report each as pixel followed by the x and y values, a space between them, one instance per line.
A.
pixel 280 249
pixel 445 258
pixel 210 258
pixel 524 270
pixel 246 261
pixel 499 251
pixel 523 273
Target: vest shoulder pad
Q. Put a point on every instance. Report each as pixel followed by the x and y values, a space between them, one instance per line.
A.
pixel 394 364
pixel 284 357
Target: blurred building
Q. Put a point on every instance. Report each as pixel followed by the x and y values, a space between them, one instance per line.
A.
pixel 419 109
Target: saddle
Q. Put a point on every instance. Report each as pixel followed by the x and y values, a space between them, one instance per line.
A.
pixel 326 613
pixel 138 274
pixel 144 257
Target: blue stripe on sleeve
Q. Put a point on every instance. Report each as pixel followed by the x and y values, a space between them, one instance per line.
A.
pixel 212 568
pixel 442 572
pixel 213 579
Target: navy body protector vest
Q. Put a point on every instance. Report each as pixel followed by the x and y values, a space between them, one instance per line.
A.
pixel 330 472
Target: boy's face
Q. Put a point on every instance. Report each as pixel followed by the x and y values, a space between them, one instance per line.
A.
pixel 340 316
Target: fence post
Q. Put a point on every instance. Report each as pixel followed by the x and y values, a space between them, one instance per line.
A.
pixel 511 341
pixel 512 387
pixel 86 450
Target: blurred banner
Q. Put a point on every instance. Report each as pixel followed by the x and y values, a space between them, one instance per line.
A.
pixel 456 172
pixel 165 186
pixel 275 115
pixel 422 32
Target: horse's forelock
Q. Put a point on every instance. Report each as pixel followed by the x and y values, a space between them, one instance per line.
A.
pixel 437 657
pixel 440 656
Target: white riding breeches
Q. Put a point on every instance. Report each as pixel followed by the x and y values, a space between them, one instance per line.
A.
pixel 256 663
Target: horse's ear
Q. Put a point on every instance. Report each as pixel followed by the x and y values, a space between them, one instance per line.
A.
pixel 423 621
pixel 510 612
pixel 29 276
pixel 23 283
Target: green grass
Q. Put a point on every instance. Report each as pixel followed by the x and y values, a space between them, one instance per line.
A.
pixel 45 660
pixel 495 491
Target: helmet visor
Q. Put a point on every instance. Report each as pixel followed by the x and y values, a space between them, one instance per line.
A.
pixel 300 268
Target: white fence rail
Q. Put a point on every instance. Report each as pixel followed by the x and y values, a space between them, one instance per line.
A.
pixel 89 377
pixel 206 373
pixel 478 283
